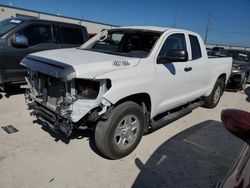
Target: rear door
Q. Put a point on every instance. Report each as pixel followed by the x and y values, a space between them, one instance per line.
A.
pixel 69 36
pixel 172 78
pixel 199 75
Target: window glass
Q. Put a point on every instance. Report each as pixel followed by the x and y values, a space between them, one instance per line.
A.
pixel 117 37
pixel 57 34
pixel 195 47
pixel 174 41
pixel 7 25
pixel 110 43
pixel 37 34
pixel 72 35
pixel 124 42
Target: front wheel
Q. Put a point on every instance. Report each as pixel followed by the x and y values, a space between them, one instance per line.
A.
pixel 119 135
pixel 213 99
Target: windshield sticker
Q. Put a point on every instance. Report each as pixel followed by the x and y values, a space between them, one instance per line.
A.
pixel 120 63
pixel 15 21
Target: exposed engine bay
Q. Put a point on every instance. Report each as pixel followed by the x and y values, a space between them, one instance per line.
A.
pixel 64 105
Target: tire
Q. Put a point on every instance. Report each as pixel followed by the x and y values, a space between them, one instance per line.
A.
pixel 243 84
pixel 119 135
pixel 2 87
pixel 213 99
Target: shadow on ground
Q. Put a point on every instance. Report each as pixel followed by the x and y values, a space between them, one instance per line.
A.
pixel 197 157
pixel 11 89
pixel 247 92
pixel 76 134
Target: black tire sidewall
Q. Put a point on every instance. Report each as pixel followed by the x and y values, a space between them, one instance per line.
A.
pixel 115 123
pixel 243 84
pixel 127 108
pixel 209 101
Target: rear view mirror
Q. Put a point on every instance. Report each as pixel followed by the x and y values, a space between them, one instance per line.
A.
pixel 104 35
pixel 20 41
pixel 174 55
pixel 237 122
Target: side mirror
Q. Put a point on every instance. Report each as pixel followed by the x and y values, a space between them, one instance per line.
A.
pixel 20 41
pixel 237 122
pixel 174 55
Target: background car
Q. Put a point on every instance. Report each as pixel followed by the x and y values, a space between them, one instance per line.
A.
pixel 214 50
pixel 241 67
pixel 20 37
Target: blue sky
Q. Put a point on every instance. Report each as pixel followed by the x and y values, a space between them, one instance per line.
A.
pixel 230 20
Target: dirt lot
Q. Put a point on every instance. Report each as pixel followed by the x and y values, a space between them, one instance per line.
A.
pixel 193 151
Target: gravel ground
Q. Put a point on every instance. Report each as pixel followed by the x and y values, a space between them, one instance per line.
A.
pixel 36 157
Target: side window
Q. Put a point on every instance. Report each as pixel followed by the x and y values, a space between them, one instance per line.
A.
pixel 37 34
pixel 174 41
pixel 72 35
pixel 195 47
pixel 56 33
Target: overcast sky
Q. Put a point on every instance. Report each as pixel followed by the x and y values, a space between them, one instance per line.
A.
pixel 229 23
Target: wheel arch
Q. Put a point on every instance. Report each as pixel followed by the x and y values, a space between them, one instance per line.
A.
pixel 139 98
pixel 223 77
pixel 143 100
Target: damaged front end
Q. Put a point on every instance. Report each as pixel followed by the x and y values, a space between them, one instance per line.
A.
pixel 64 104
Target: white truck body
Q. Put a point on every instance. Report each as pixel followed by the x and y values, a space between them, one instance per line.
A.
pixel 166 85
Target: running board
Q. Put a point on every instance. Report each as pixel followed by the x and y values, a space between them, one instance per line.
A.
pixel 174 115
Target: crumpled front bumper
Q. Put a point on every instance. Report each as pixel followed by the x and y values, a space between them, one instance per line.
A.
pixel 66 114
pixel 56 117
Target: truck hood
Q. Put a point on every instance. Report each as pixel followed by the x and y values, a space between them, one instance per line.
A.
pixel 77 62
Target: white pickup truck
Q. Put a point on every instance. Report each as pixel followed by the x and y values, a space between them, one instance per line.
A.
pixel 122 82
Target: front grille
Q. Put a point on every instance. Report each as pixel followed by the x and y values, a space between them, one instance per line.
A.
pixel 50 89
pixel 56 92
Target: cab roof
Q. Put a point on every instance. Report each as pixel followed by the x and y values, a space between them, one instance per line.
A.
pixel 151 28
pixel 38 20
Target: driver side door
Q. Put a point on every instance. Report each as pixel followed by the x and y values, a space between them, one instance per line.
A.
pixel 39 38
pixel 173 78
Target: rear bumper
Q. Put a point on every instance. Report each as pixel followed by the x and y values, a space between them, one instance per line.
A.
pixel 236 79
pixel 237 76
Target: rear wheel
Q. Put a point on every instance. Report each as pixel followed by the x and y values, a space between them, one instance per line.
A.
pixel 213 99
pixel 121 133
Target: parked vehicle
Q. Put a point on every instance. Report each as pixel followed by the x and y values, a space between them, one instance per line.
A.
pixel 124 79
pixel 214 50
pixel 237 122
pixel 20 37
pixel 241 67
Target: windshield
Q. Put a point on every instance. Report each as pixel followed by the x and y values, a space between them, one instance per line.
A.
pixel 7 25
pixel 125 42
pixel 236 55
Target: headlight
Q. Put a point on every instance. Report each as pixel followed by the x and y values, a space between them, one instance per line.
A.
pixel 236 68
pixel 87 89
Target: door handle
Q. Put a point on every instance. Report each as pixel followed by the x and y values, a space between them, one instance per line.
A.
pixel 187 69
